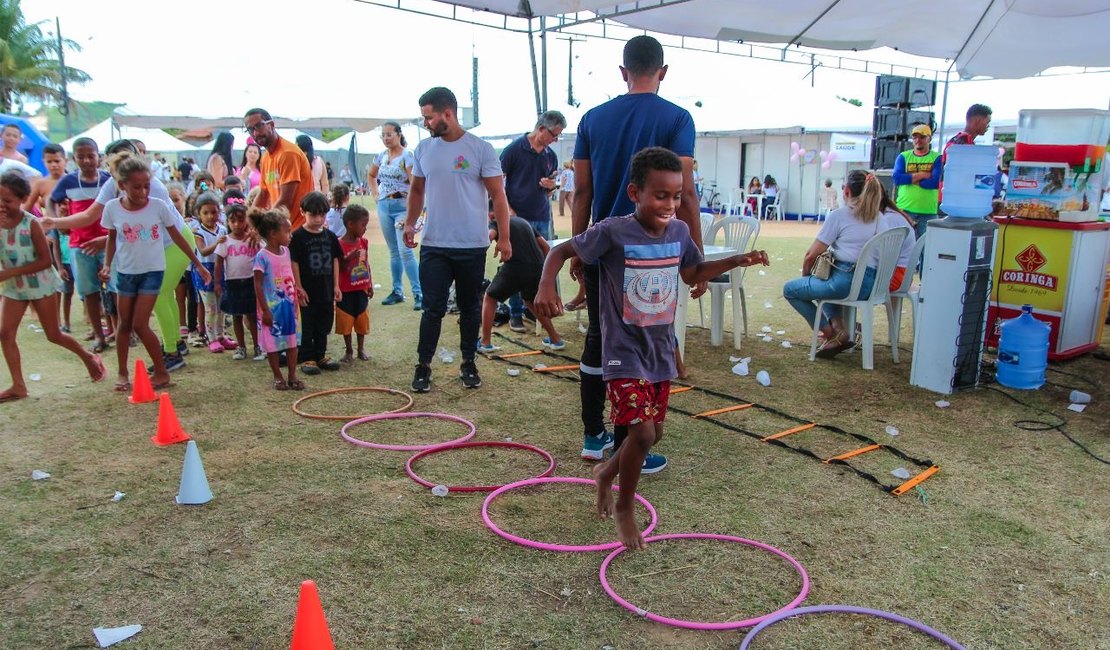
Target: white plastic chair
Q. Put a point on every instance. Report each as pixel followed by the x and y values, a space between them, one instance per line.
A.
pixel 707 220
pixel 776 205
pixel 735 202
pixel 885 247
pixel 740 233
pixel 905 291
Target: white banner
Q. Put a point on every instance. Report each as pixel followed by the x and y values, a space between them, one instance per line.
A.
pixel 850 148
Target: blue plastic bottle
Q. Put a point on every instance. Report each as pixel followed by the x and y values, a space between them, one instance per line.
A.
pixel 1023 351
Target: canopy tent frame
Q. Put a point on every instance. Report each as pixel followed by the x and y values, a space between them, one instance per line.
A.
pixel 361 124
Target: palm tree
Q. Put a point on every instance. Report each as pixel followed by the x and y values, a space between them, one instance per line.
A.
pixel 29 61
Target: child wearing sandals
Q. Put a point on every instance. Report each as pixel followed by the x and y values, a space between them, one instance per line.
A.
pixel 210 234
pixel 234 281
pixel 136 226
pixel 355 281
pixel 275 291
pixel 27 276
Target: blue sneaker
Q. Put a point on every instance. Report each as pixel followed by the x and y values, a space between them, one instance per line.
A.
pixel 486 349
pixel 173 361
pixel 593 447
pixel 554 346
pixel 654 463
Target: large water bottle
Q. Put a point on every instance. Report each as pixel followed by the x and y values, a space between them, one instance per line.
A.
pixel 1023 351
pixel 969 180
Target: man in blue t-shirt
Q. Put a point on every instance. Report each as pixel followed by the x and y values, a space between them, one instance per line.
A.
pixel 608 136
pixel 460 174
pixel 530 167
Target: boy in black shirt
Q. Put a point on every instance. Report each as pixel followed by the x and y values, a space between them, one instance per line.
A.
pixel 520 274
pixel 315 253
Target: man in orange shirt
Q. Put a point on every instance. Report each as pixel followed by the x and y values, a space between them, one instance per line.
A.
pixel 286 175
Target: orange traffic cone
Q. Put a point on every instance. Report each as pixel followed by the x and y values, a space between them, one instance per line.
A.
pixel 169 429
pixel 142 392
pixel 310 630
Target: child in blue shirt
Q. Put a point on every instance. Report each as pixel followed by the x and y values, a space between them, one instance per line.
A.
pixel 641 258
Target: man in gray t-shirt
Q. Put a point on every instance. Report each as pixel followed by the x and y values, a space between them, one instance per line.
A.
pixel 459 174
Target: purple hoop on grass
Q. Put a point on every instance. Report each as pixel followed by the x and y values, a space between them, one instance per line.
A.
pixel 847 609
pixel 698 625
pixel 397 416
pixel 544 546
pixel 467 445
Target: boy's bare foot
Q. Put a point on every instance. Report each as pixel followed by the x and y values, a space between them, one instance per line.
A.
pixel 12 395
pixel 362 356
pixel 627 531
pixel 97 371
pixel 604 492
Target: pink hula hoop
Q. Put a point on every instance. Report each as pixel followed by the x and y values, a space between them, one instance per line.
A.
pixel 397 416
pixel 467 445
pixel 698 625
pixel 544 546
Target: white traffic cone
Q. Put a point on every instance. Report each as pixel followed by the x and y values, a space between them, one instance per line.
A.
pixel 194 488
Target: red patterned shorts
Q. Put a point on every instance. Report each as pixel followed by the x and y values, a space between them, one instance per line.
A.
pixel 637 400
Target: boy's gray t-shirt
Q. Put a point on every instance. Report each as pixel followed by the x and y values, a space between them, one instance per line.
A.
pixel 639 293
pixel 456 198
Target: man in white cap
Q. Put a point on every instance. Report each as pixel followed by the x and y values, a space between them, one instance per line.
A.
pixel 917 179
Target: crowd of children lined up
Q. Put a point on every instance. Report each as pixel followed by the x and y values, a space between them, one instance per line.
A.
pixel 131 247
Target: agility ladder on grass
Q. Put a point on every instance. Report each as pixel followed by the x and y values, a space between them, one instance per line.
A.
pixel 928 468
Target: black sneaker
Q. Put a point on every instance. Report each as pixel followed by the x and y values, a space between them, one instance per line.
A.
pixel 468 372
pixel 393 299
pixel 173 361
pixel 516 324
pixel 422 380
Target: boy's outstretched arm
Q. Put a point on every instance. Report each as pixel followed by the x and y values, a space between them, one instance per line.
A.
pixel 705 271
pixel 547 302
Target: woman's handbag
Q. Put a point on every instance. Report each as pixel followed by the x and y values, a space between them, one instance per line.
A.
pixel 822 266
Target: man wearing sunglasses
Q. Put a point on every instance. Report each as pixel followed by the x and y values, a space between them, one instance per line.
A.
pixel 917 179
pixel 286 175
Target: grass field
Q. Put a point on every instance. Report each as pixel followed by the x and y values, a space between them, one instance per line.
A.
pixel 1006 547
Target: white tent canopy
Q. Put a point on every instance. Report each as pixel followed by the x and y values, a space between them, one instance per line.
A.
pixel 1004 39
pixel 154 139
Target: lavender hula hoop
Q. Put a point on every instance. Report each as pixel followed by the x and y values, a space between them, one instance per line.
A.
pixel 398 416
pixel 847 609
pixel 698 625
pixel 544 546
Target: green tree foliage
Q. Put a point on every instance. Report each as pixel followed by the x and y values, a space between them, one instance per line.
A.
pixel 29 61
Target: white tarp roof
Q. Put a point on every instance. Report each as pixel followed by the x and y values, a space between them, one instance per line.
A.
pixel 154 139
pixel 1004 39
pixel 130 117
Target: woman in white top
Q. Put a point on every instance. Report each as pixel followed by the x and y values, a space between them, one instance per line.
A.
pixel 390 177
pixel 319 171
pixel 845 231
pixel 566 187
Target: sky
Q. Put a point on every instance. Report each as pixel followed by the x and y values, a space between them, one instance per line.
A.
pixel 345 58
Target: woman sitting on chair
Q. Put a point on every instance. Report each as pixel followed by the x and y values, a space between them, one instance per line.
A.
pixel 845 231
pixel 754 187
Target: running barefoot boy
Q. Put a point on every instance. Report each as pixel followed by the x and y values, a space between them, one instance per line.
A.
pixel 641 257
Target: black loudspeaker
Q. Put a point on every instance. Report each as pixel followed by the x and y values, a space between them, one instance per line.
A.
pixel 898 122
pixel 884 152
pixel 904 92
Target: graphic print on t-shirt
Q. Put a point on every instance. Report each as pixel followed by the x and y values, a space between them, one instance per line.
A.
pixel 651 283
pixel 134 233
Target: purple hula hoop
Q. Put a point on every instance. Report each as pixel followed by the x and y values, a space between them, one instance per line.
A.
pixel 397 416
pixel 544 546
pixel 847 609
pixel 697 625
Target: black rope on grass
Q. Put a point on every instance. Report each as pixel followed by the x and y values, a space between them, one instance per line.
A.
pixel 758 436
pixel 1041 425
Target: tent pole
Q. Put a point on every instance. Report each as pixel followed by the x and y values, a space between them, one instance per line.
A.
pixel 543 58
pixel 944 108
pixel 535 73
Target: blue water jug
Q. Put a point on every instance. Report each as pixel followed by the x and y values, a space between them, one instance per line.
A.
pixel 1023 351
pixel 969 180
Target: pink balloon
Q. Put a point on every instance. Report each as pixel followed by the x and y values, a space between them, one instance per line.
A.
pixel 794 147
pixel 794 157
pixel 802 152
pixel 826 165
pixel 831 157
pixel 824 154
